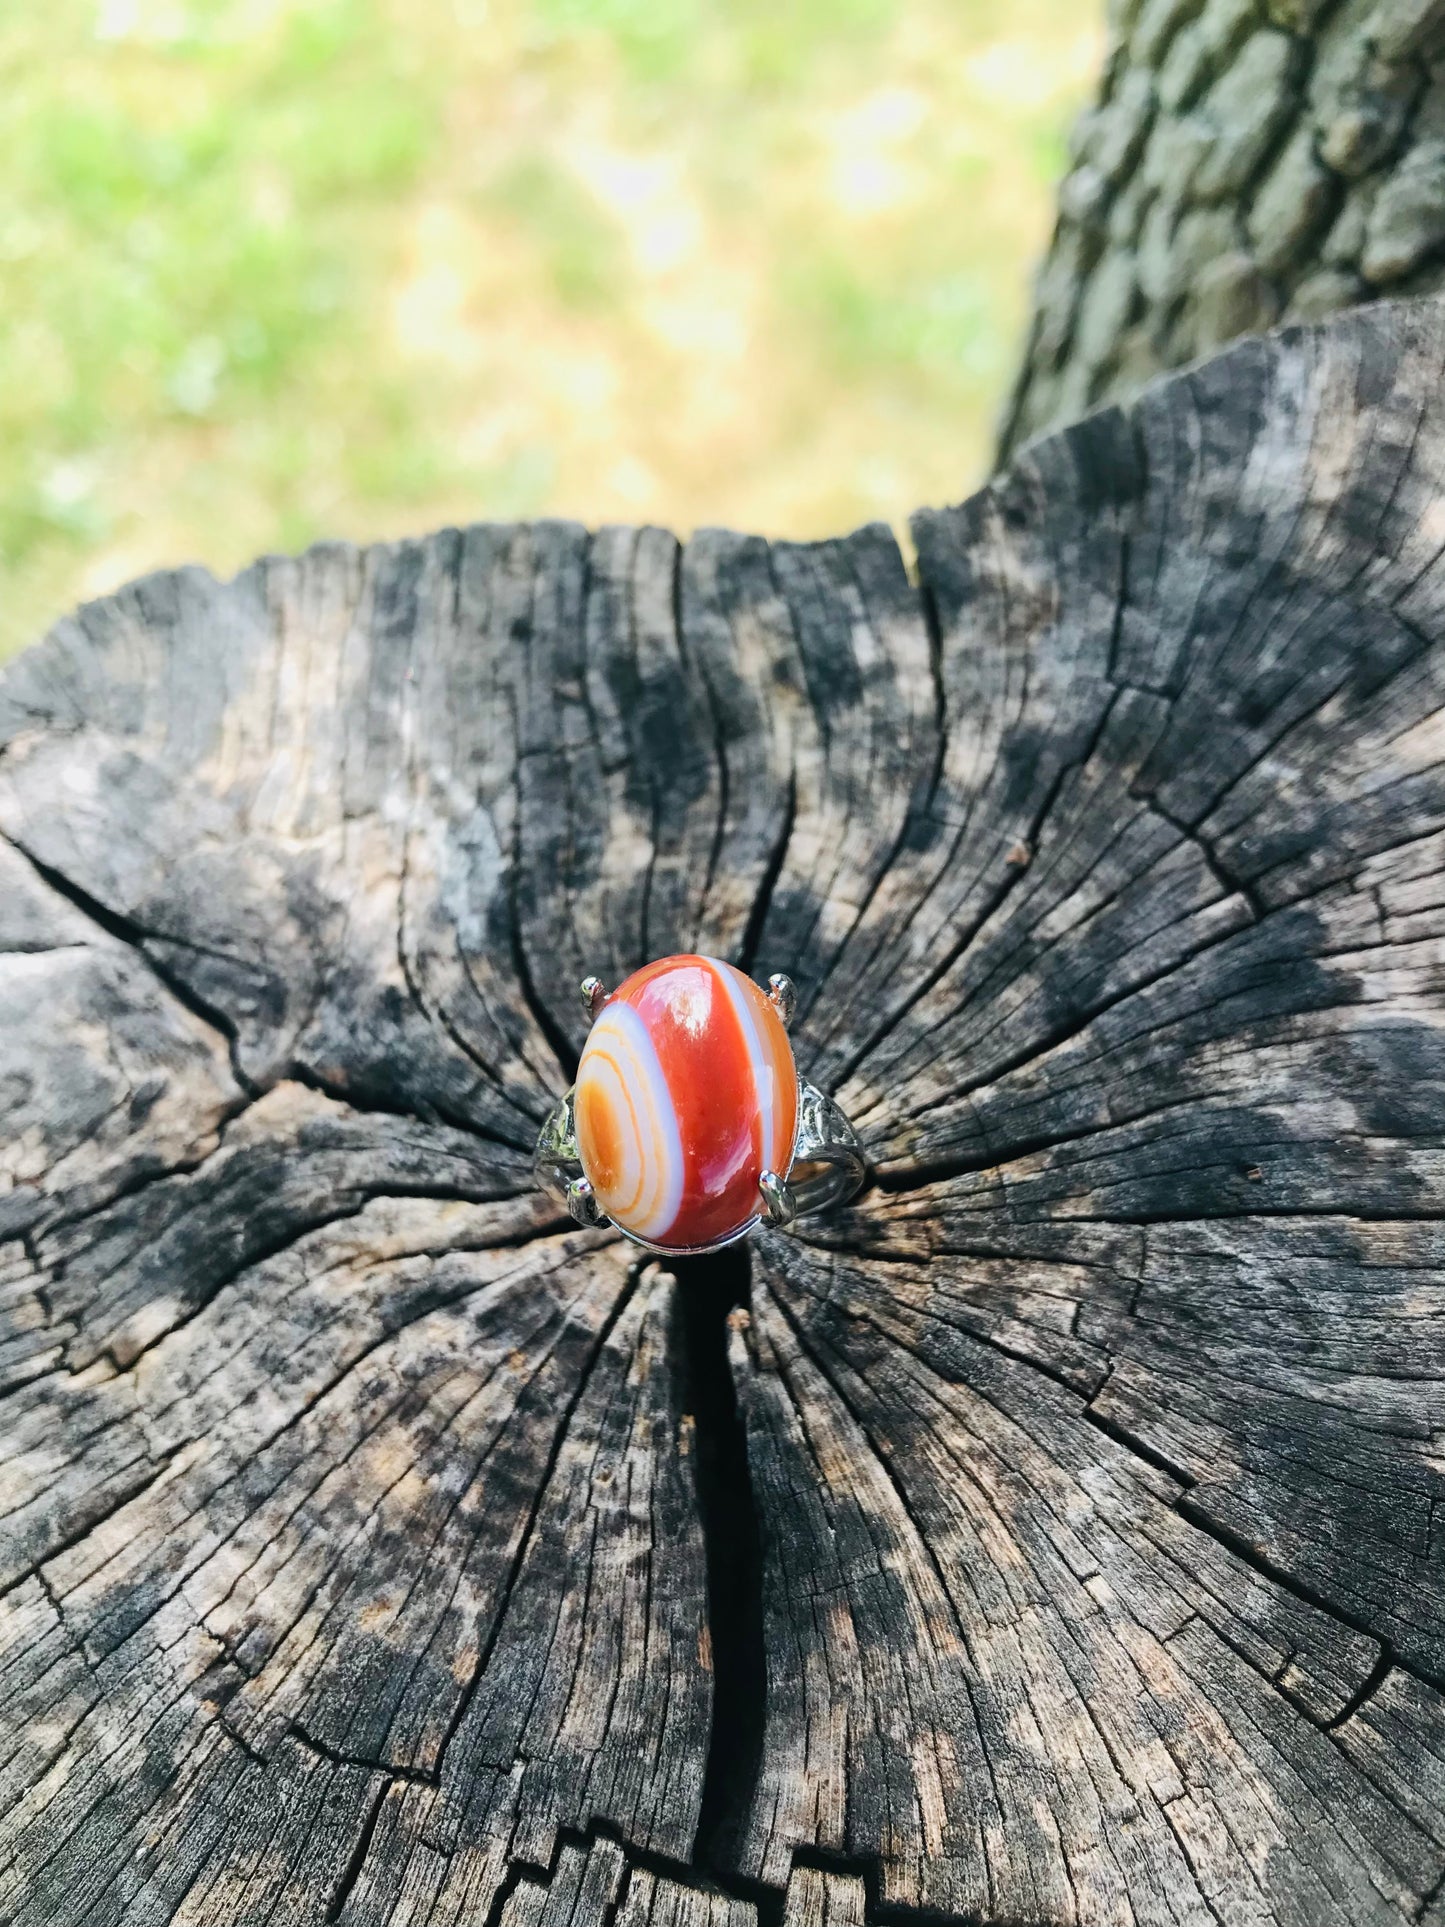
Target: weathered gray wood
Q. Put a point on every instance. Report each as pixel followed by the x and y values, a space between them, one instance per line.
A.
pixel 1245 161
pixel 1054 1537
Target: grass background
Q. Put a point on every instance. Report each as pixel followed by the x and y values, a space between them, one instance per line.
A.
pixel 275 269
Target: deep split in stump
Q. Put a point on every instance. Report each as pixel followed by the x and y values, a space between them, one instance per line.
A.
pixel 1057 1535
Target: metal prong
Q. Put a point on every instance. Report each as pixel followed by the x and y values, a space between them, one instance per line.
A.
pixel 594 995
pixel 583 1205
pixel 783 996
pixel 777 1198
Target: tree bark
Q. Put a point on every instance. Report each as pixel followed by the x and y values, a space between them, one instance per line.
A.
pixel 1056 1536
pixel 1247 161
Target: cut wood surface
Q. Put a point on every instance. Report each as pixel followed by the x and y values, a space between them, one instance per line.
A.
pixel 1056 1536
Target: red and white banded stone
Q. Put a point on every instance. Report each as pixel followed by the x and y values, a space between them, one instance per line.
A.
pixel 686 1094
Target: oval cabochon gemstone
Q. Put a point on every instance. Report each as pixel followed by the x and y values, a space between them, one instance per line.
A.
pixel 686 1094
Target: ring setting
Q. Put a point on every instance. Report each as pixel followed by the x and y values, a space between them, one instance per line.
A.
pixel 688 1124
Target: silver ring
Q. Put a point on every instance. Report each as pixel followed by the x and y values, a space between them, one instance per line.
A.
pixel 678 1073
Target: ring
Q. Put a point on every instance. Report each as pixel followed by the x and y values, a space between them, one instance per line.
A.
pixel 688 1123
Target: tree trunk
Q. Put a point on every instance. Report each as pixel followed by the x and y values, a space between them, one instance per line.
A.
pixel 1057 1535
pixel 1247 161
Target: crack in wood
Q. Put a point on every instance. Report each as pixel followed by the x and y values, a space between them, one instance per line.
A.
pixel 1368 1686
pixel 870 1864
pixel 768 1902
pixel 136 938
pixel 747 950
pixel 157 1470
pixel 526 1536
pixel 994 902
pixel 436 1016
pixel 712 1292
pixel 351 1872
pixel 557 1039
pixel 1229 885
pixel 1290 1581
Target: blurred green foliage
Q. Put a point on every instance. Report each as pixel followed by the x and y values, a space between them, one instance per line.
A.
pixel 275 269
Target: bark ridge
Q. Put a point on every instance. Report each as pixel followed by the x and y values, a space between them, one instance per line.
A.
pixel 1246 161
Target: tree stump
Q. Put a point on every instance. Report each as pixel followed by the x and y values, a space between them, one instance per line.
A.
pixel 1058 1535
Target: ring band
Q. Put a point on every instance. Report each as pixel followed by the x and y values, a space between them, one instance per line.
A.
pixel 688 1124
